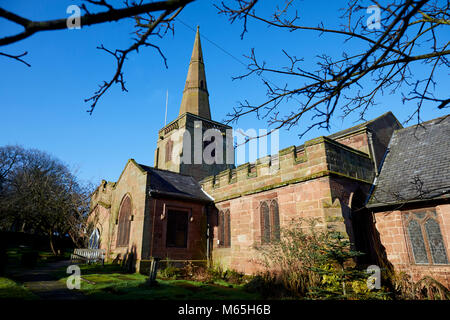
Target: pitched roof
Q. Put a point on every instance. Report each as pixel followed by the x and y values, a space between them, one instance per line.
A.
pixel 172 184
pixel 367 124
pixel 417 165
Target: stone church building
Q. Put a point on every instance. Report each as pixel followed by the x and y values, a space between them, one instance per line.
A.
pixel 359 180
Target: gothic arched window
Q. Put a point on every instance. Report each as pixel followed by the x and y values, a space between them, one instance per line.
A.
pixel 275 220
pixel 270 221
pixel 123 233
pixel 265 222
pixel 224 229
pixel 94 239
pixel 425 238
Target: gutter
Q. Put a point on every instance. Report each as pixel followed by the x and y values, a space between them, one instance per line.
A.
pixel 156 193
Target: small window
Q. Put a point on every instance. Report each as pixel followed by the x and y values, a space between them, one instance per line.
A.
pixel 177 229
pixel 224 229
pixel 425 238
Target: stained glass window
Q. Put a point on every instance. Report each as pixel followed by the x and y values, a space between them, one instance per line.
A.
pixel 425 238
pixel 417 242
pixel 436 242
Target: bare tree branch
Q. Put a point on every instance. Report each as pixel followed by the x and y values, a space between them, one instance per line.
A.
pixel 341 82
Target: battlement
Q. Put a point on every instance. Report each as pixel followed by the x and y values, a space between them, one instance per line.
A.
pixel 102 195
pixel 316 158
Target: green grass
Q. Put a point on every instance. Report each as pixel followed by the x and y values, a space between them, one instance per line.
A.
pixel 10 289
pixel 108 283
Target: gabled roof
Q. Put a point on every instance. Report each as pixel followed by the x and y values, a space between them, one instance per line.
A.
pixel 417 165
pixel 172 184
pixel 368 124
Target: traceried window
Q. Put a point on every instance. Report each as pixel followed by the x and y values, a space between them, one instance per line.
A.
pixel 425 237
pixel 177 228
pixel 94 239
pixel 123 233
pixel 224 229
pixel 270 221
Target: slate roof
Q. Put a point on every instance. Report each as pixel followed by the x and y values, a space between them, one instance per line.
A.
pixel 172 184
pixel 417 165
pixel 363 125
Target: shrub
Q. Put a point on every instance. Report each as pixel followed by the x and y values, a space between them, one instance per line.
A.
pixel 267 285
pixel 314 262
pixel 169 271
pixel 426 288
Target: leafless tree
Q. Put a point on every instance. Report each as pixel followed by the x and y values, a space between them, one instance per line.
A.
pixel 40 195
pixel 411 33
pixel 154 19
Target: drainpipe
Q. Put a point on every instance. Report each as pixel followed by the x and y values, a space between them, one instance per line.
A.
pixel 208 249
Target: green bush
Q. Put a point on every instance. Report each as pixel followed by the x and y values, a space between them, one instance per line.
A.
pixel 314 262
pixel 169 271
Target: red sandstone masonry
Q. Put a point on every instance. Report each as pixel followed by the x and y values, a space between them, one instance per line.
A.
pixel 302 186
pixel 393 237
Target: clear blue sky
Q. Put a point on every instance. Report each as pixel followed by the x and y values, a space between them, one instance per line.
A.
pixel 43 106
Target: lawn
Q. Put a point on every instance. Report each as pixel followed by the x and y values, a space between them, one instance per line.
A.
pixel 109 283
pixel 12 290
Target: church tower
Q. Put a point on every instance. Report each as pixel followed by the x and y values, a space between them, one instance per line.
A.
pixel 194 144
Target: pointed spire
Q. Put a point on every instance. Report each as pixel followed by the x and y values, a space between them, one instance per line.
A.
pixel 195 95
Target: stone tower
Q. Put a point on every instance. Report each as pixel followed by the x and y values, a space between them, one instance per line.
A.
pixel 185 144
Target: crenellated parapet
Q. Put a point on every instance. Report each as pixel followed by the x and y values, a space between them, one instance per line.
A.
pixel 103 195
pixel 316 158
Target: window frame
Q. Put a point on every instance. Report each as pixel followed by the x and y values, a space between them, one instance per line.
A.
pixel 123 240
pixel 167 217
pixel 274 228
pixel 224 228
pixel 429 213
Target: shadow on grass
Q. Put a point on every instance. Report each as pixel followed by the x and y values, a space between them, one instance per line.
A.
pixel 110 283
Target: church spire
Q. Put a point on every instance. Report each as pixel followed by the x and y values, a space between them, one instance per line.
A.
pixel 195 95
